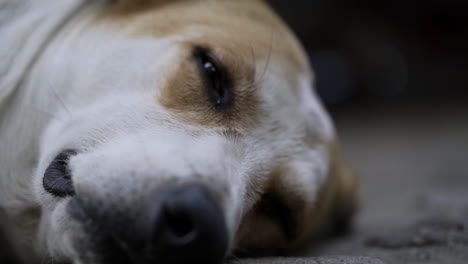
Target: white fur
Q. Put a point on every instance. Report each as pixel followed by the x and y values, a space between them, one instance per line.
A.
pixel 65 85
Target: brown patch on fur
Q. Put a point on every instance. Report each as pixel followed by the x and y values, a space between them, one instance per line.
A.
pixel 186 96
pixel 345 201
pixel 275 218
pixel 337 197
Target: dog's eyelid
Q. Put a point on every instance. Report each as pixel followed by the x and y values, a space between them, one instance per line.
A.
pixel 215 76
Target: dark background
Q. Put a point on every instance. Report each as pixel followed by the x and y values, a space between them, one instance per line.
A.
pixel 384 51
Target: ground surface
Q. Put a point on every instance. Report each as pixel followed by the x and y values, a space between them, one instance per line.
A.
pixel 413 164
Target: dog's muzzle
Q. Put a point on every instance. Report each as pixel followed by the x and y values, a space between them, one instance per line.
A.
pixel 175 224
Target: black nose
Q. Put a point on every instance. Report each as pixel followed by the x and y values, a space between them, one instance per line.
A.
pixel 182 224
pixel 190 225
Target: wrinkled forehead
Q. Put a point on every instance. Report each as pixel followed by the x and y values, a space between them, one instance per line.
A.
pixel 242 32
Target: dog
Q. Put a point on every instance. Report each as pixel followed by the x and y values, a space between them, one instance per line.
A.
pixel 153 131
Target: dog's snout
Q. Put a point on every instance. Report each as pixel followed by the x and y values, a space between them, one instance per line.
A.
pixel 176 224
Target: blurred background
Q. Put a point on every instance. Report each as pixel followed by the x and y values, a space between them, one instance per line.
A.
pixel 393 74
pixel 390 51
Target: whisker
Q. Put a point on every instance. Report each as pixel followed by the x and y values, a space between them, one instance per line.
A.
pixel 50 115
pixel 270 50
pixel 62 102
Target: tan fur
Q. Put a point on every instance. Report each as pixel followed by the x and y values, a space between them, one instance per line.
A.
pixel 131 6
pixel 185 95
pixel 222 22
pixel 269 234
pixel 336 199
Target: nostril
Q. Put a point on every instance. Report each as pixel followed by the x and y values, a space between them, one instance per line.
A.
pixel 190 224
pixel 180 225
pixel 57 179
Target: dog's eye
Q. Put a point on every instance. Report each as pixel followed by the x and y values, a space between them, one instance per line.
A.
pixel 215 78
pixel 57 179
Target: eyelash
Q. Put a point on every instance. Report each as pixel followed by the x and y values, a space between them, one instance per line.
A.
pixel 214 77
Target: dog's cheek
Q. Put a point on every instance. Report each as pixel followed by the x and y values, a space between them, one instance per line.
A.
pixel 334 204
pixel 57 232
pixel 258 235
pixel 295 199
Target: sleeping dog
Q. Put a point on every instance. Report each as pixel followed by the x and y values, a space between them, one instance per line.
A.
pixel 152 131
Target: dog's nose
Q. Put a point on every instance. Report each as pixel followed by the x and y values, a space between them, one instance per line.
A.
pixel 182 224
pixel 190 226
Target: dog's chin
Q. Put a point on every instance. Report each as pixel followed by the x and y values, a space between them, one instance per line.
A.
pixel 80 250
pixel 73 243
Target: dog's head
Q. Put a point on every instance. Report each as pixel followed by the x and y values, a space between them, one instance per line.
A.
pixel 183 130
